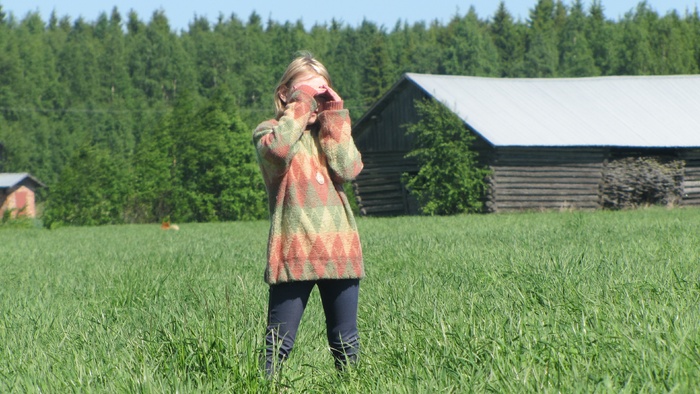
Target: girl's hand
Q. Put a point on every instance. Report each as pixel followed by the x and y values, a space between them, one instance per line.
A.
pixel 329 100
pixel 330 94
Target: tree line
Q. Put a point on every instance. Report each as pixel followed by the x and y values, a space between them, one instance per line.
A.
pixel 130 121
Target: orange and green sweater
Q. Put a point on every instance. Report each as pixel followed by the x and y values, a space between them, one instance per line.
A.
pixel 313 234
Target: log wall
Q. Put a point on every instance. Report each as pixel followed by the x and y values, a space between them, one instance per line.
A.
pixel 385 130
pixel 545 179
pixel 522 179
pixel 379 190
pixel 691 183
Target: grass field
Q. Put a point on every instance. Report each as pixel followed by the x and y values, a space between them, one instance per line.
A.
pixel 536 302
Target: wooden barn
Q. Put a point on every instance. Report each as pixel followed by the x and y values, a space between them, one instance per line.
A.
pixel 17 192
pixel 546 141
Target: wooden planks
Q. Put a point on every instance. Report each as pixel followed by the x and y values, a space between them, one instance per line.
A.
pixel 545 179
pixel 530 178
pixel 691 183
pixel 378 188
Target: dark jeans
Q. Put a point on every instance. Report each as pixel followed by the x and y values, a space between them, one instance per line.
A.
pixel 286 306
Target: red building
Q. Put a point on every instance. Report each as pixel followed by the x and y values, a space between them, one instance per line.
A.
pixel 17 194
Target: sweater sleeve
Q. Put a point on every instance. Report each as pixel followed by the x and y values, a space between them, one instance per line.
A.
pixel 337 143
pixel 275 140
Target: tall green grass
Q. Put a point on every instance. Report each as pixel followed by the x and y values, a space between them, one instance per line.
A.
pixel 545 302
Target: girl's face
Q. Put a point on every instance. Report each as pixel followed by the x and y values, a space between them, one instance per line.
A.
pixel 319 84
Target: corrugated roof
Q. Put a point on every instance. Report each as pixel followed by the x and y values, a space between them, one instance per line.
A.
pixel 8 180
pixel 629 111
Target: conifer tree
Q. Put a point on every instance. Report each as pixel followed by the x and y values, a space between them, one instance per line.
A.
pixel 508 42
pixel 428 51
pixel 576 57
pixel 542 57
pixel 376 71
pixel 694 29
pixel 601 39
pixel 468 49
pixel 92 190
pixel 153 165
pixel 672 40
pixel 637 56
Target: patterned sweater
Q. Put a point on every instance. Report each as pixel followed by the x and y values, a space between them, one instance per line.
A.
pixel 313 234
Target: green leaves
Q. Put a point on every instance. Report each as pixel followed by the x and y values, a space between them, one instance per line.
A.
pixel 92 190
pixel 450 179
pixel 198 166
pixel 205 166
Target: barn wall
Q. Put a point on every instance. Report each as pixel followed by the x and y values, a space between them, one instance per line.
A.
pixel 383 143
pixel 378 188
pixel 522 178
pixel 385 130
pixel 3 201
pixel 545 179
pixel 21 197
pixel 691 182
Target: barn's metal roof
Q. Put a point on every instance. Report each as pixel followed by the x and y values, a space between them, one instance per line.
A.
pixel 8 180
pixel 623 111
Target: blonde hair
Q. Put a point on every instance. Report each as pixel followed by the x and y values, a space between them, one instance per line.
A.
pixel 302 64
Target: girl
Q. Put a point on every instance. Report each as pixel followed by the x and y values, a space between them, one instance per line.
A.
pixel 305 154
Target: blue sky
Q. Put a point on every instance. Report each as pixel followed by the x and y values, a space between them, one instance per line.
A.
pixel 383 12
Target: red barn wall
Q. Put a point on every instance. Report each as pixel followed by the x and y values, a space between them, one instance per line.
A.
pixel 19 201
